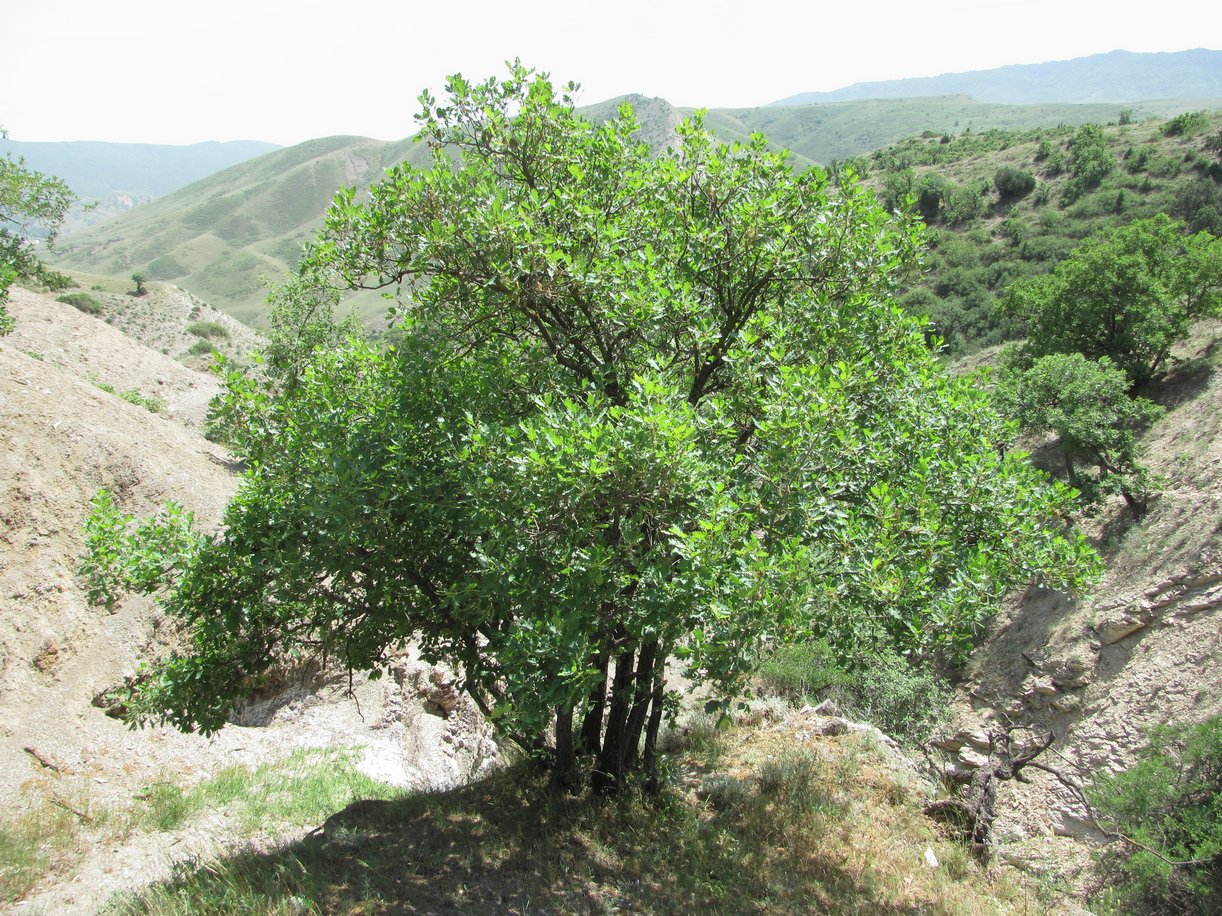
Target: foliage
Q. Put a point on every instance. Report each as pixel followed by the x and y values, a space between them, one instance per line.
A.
pixel 640 408
pixel 139 279
pixel 1090 160
pixel 1128 294
pixel 904 701
pixel 149 402
pixel 1012 183
pixel 28 200
pixel 209 330
pixel 1186 124
pixel 1171 804
pixel 81 301
pixel 1087 404
pixel 202 348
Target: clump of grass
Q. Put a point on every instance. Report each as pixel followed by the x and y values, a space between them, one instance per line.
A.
pixel 302 789
pixel 82 302
pixel 32 845
pixel 208 330
pixel 151 403
pixel 201 348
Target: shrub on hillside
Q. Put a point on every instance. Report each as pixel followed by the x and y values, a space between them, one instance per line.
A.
pixel 209 330
pixel 884 689
pixel 1186 124
pixel 1170 806
pixel 1090 159
pixel 201 348
pixel 1086 404
pixel 1012 183
pixel 81 301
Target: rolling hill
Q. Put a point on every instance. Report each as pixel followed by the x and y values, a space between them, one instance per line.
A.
pixel 219 237
pixel 114 177
pixel 1117 76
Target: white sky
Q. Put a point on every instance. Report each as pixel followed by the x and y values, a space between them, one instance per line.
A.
pixel 175 71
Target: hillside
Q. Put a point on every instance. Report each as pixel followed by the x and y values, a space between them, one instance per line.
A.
pixel 77 774
pixel 111 178
pixel 221 236
pixel 781 779
pixel 979 243
pixel 1117 76
pixel 1143 649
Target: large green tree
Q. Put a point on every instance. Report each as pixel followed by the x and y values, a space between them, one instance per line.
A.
pixel 29 201
pixel 643 410
pixel 1128 294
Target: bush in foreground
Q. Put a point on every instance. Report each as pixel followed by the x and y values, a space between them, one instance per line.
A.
pixel 1170 806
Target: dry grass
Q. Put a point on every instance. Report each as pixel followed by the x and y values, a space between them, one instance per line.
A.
pixel 779 823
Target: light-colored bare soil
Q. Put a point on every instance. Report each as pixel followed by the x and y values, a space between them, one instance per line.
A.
pixel 1145 648
pixel 64 439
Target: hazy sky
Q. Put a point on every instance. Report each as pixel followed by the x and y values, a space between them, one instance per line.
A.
pixel 174 71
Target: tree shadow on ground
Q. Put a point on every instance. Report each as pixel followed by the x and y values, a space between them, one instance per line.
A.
pixel 510 845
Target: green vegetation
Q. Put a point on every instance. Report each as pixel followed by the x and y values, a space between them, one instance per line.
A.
pixel 1087 404
pixel 219 235
pixel 1169 807
pixel 202 348
pixel 31 845
pixel 139 279
pixel 149 402
pixel 208 330
pixel 1128 294
pixel 29 201
pixel 797 833
pixel 888 691
pixel 602 399
pixel 1186 124
pixel 302 790
pixel 82 301
pixel 980 248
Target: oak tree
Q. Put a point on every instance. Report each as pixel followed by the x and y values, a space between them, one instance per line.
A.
pixel 644 410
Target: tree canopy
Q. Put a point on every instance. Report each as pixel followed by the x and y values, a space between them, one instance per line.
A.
pixel 1128 294
pixel 643 409
pixel 1087 404
pixel 28 200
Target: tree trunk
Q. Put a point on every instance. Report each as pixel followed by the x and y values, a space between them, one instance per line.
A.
pixel 566 759
pixel 592 725
pixel 608 774
pixel 652 782
pixel 640 703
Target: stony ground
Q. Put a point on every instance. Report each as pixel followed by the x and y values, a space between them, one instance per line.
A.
pixel 64 439
pixel 1145 648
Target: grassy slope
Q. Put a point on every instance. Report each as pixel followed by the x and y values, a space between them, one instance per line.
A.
pixel 219 236
pixel 760 819
pixel 971 262
pixel 836 130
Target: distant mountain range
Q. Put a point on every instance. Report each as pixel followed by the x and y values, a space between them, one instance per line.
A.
pixel 1117 76
pixel 221 235
pixel 117 176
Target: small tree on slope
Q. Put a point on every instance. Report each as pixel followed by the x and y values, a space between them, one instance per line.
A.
pixel 642 410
